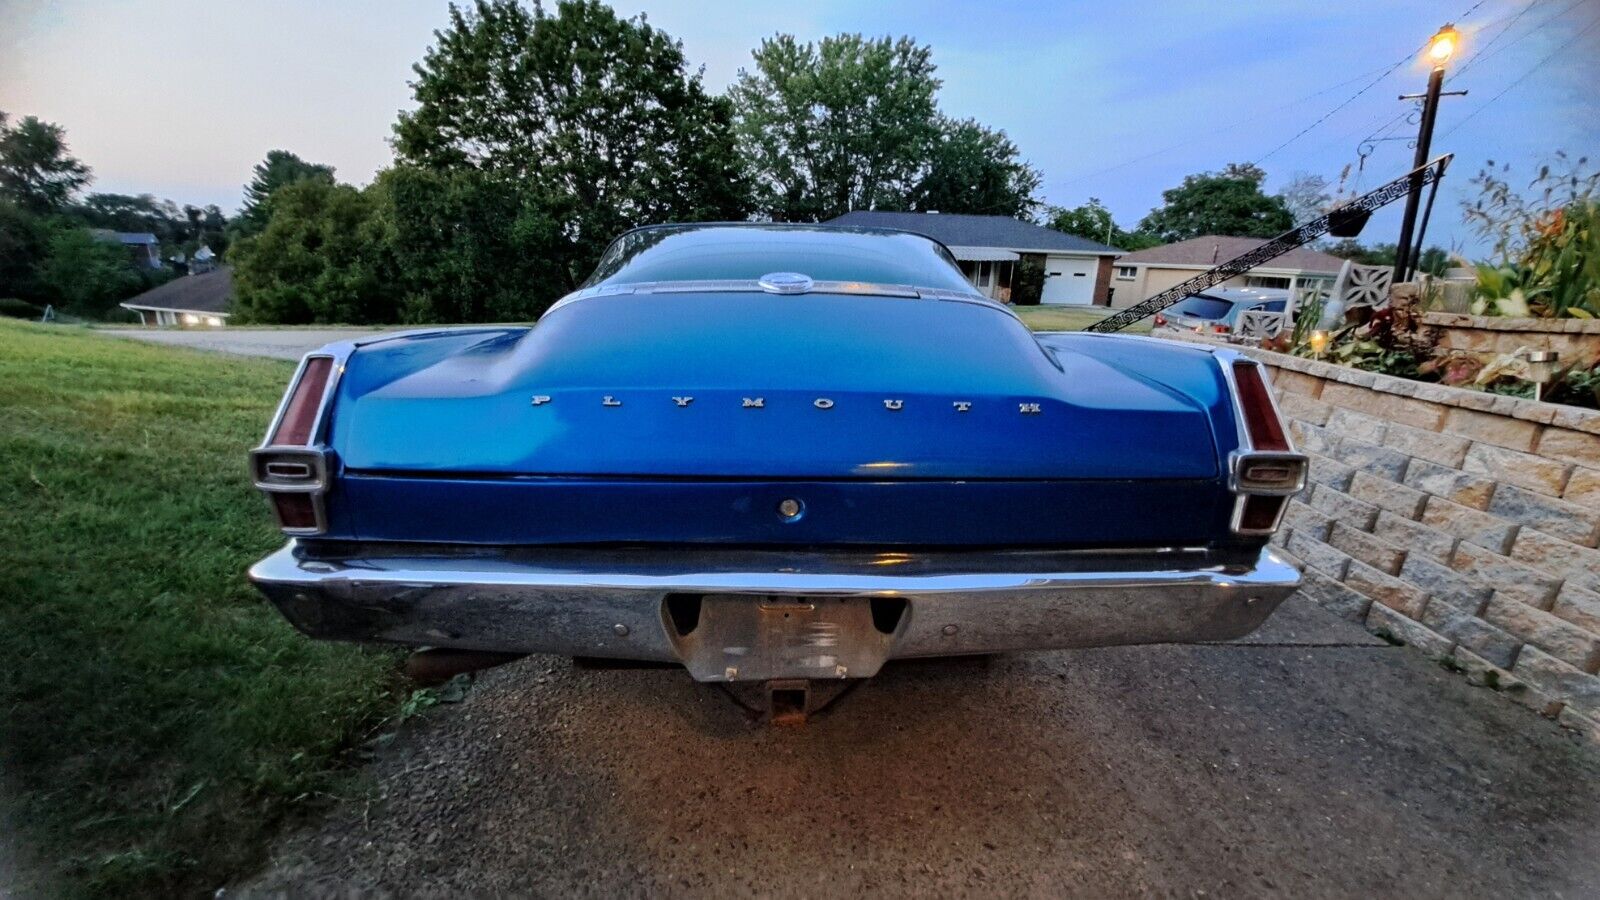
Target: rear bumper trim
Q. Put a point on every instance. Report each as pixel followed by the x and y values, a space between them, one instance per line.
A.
pixel 612 603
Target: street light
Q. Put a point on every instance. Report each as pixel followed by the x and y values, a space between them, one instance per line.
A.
pixel 1441 47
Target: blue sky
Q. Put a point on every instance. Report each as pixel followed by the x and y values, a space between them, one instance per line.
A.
pixel 1116 101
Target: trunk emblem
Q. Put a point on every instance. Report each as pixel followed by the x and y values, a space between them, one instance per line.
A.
pixel 894 404
pixel 822 403
pixel 540 400
pixel 1028 409
pixel 785 283
pixel 962 405
pixel 610 401
pixel 754 402
pixel 683 401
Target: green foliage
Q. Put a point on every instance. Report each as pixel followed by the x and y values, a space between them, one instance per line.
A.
pixel 36 172
pixel 1227 203
pixel 279 170
pixel 160 718
pixel 87 276
pixel 24 239
pixel 1027 281
pixel 469 246
pixel 593 118
pixel 19 309
pixel 1093 220
pixel 972 169
pixel 1548 241
pixel 1433 261
pixel 321 258
pixel 846 123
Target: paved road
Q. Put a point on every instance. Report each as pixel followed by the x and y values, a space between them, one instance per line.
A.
pixel 1312 761
pixel 279 343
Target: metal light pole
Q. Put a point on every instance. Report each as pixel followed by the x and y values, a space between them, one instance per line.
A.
pixel 1440 49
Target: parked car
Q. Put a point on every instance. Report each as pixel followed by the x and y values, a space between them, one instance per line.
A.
pixel 1217 311
pixel 773 452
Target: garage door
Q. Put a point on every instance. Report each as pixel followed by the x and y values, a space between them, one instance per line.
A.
pixel 1069 279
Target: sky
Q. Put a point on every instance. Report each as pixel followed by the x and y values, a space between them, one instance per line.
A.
pixel 1111 100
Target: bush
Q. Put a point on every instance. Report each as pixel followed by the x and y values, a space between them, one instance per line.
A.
pixel 1027 282
pixel 19 309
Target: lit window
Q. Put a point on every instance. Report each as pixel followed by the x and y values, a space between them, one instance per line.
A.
pixel 1126 273
pixel 214 321
pixel 190 318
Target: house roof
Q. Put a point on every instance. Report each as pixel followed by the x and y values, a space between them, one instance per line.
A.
pixel 1211 249
pixel 208 292
pixel 961 230
pixel 125 237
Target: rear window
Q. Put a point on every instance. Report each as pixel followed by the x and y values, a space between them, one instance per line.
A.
pixel 747 252
pixel 1202 307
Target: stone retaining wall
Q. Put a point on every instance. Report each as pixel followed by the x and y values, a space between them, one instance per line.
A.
pixel 1577 340
pixel 1465 524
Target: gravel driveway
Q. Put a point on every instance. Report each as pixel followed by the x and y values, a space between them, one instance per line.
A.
pixel 1312 761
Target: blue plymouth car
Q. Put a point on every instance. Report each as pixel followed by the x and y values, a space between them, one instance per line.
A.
pixel 775 453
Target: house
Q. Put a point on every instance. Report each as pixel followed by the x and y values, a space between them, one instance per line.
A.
pixel 144 250
pixel 989 249
pixel 188 300
pixel 1147 272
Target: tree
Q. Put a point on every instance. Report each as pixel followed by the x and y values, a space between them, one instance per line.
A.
pixel 1306 196
pixel 447 271
pixel 85 275
pixel 36 172
pixel 24 240
pixel 1093 220
pixel 279 170
pixel 972 169
pixel 1227 203
pixel 1432 261
pixel 594 116
pixel 849 123
pixel 320 259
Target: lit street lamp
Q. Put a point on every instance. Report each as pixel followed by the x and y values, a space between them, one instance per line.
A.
pixel 1441 47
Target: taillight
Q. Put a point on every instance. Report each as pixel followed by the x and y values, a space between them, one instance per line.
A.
pixel 1265 470
pixel 300 413
pixel 290 468
pixel 1219 329
pixel 1260 419
pixel 1160 319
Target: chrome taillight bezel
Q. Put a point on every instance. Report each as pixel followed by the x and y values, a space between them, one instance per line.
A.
pixel 280 468
pixel 1246 455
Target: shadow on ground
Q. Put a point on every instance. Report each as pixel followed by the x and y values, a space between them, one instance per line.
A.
pixel 1313 761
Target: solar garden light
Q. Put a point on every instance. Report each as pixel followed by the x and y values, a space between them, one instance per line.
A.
pixel 1541 368
pixel 1319 342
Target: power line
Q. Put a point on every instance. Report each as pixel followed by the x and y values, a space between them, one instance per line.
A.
pixel 1189 142
pixel 1489 49
pixel 1352 98
pixel 1523 77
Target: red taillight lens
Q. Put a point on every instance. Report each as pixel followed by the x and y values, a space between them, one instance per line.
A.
pixel 300 415
pixel 1260 513
pixel 1219 329
pixel 1160 319
pixel 297 511
pixel 1260 420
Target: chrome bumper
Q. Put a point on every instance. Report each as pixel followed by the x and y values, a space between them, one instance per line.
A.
pixel 762 615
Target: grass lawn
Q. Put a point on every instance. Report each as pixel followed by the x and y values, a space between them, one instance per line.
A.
pixel 1071 318
pixel 159 718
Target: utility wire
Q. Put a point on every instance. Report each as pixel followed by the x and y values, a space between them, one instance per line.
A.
pixel 1189 142
pixel 1352 98
pixel 1523 77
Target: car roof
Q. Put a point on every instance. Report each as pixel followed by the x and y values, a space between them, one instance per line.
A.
pixel 1244 294
pixel 746 251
